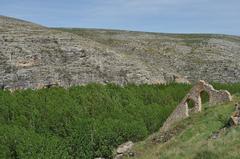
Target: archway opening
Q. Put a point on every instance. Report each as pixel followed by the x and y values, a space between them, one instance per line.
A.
pixel 190 104
pixel 204 97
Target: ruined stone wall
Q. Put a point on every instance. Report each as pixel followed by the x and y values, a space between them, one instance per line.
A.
pixel 183 111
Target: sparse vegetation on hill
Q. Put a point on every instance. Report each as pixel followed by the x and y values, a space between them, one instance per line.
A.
pixel 191 56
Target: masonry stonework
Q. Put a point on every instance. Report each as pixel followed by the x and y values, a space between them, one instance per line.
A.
pixel 183 111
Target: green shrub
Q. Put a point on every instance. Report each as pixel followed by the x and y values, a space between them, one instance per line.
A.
pixel 82 121
pixel 233 88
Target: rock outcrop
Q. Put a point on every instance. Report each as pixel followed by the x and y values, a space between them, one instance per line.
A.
pixel 124 150
pixel 183 111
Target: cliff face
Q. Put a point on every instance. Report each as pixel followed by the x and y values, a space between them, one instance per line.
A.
pixel 32 56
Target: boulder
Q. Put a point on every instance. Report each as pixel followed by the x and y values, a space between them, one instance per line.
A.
pixel 124 148
pixel 119 156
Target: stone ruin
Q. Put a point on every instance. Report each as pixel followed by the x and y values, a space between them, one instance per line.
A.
pixel 124 150
pixel 235 117
pixel 183 110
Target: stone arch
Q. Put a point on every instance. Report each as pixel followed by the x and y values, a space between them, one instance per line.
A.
pixel 183 111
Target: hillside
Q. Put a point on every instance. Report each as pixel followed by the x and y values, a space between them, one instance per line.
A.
pixel 202 136
pixel 33 56
pixel 171 57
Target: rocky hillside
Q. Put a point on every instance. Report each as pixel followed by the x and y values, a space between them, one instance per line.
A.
pixel 33 56
pixel 169 56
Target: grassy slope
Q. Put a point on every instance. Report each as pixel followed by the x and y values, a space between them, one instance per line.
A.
pixel 194 140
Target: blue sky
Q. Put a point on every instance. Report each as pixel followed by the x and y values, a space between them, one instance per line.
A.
pixel 172 16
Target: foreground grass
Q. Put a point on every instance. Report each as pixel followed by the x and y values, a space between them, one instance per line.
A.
pixel 195 141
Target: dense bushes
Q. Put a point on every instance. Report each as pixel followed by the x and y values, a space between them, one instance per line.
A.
pixel 233 88
pixel 82 121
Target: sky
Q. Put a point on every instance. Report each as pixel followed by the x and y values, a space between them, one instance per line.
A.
pixel 167 16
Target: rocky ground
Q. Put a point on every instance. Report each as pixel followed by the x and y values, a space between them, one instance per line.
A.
pixel 32 56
